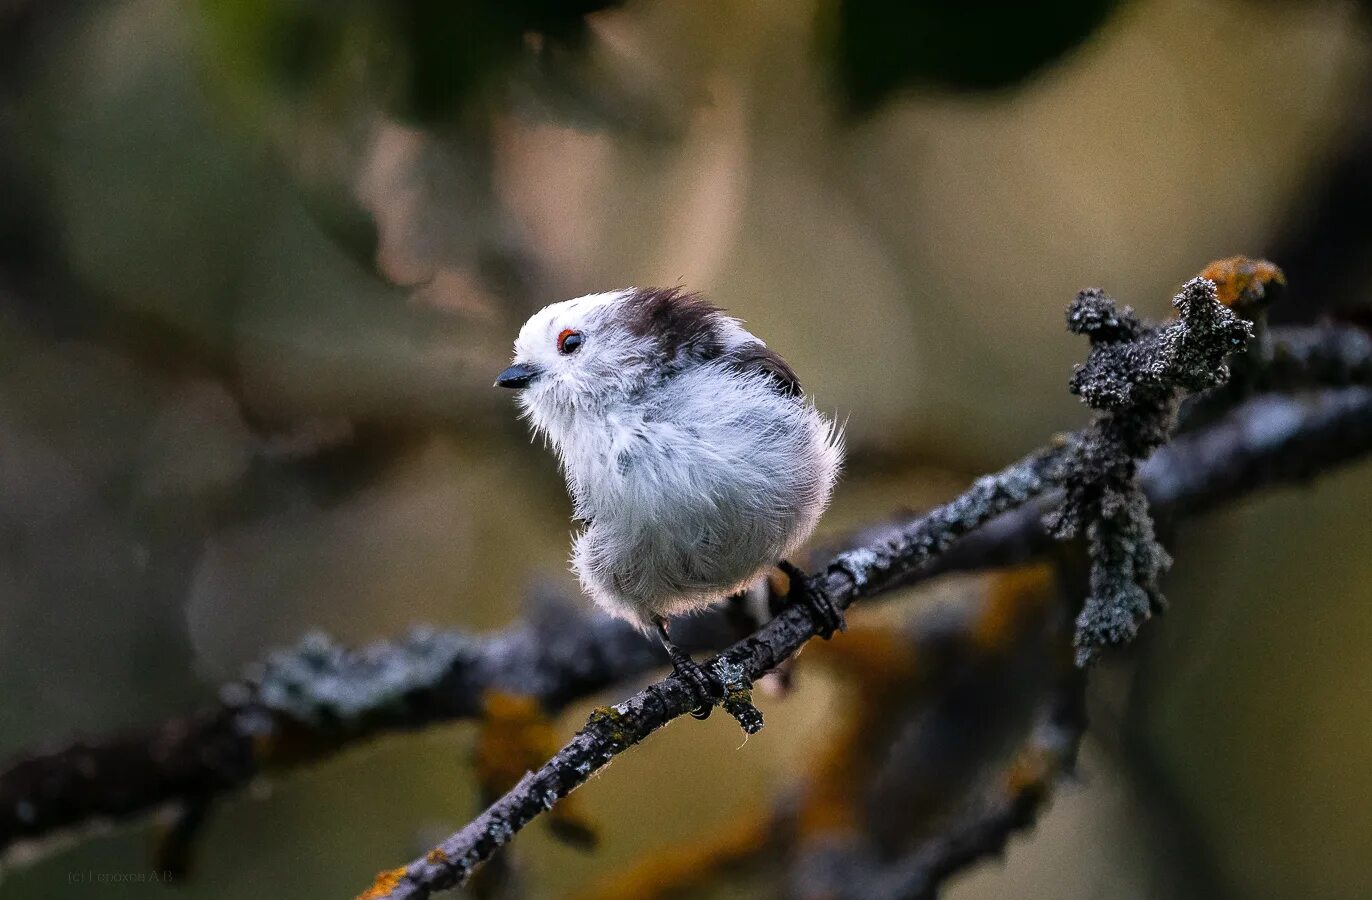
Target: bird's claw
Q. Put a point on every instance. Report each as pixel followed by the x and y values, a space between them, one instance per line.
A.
pixel 827 617
pixel 702 687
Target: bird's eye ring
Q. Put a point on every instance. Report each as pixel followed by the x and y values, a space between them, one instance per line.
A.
pixel 569 341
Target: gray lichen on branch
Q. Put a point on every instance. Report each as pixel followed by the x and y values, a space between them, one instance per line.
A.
pixel 1135 377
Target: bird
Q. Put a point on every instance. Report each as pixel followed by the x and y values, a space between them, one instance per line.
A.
pixel 694 461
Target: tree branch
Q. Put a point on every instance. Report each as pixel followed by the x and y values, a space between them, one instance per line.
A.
pixel 1051 749
pixel 1013 804
pixel 1135 376
pixel 306 704
pixel 610 731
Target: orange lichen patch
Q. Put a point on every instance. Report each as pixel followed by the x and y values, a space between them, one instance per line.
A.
pixel 830 805
pixel 884 671
pixel 1030 771
pixel 1244 284
pixel 516 736
pixel 1016 600
pixel 685 869
pixel 436 857
pixel 889 675
pixel 383 885
pixel 870 656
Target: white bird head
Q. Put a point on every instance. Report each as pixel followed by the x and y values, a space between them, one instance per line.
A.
pixel 589 354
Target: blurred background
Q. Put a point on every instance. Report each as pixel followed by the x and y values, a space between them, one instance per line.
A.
pixel 261 259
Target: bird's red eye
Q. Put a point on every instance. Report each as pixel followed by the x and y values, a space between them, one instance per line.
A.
pixel 568 341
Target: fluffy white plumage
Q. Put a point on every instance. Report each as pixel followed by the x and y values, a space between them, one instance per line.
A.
pixel 690 454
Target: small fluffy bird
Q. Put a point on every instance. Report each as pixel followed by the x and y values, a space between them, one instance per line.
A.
pixel 693 459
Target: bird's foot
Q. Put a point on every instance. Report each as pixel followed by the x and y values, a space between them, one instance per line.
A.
pixel 701 686
pixel 705 691
pixel 827 617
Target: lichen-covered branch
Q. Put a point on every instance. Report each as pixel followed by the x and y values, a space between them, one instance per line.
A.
pixel 303 705
pixel 560 655
pixel 899 763
pixel 306 703
pixel 853 870
pixel 1270 440
pixel 1013 805
pixel 612 730
pixel 1135 377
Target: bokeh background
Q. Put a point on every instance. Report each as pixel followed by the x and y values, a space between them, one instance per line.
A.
pixel 260 260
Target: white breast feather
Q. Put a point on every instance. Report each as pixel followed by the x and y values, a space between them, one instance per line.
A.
pixel 693 493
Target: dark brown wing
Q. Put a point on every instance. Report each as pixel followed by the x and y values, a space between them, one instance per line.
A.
pixel 684 325
pixel 757 358
pixel 687 328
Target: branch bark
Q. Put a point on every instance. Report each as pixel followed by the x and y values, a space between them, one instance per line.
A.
pixel 561 655
pixel 1135 376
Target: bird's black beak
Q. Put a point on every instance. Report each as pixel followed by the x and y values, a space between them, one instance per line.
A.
pixel 520 375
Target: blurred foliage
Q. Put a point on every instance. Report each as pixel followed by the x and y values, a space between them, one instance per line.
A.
pixel 437 55
pixel 412 92
pixel 881 46
pixel 432 61
pixel 457 47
